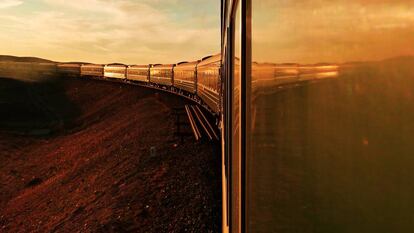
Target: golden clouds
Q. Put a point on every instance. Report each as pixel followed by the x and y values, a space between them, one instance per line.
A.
pixel 103 31
pixel 10 3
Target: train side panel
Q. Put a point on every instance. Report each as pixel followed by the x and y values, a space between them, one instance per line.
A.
pixel 138 73
pixel 208 81
pixel 16 69
pixel 115 71
pixel 45 69
pixel 92 70
pixel 185 76
pixel 4 68
pixel 69 70
pixel 162 75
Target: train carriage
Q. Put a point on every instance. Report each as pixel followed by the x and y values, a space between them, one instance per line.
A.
pixel 22 68
pixel 45 69
pixel 162 74
pixel 208 81
pixel 267 76
pixel 139 73
pixel 69 69
pixel 117 71
pixel 185 76
pixel 317 71
pixel 13 69
pixel 92 70
pixel 4 68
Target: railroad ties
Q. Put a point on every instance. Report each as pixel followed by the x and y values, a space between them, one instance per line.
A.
pixel 199 121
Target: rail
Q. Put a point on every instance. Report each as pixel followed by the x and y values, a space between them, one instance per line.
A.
pixel 209 126
pixel 193 124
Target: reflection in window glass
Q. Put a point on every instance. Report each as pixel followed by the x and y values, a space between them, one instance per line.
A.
pixel 332 112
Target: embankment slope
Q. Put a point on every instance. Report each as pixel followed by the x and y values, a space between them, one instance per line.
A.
pixel 80 160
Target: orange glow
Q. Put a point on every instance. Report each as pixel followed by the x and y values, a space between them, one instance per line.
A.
pixel 333 31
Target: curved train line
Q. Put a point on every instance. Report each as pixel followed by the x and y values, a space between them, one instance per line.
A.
pixel 198 81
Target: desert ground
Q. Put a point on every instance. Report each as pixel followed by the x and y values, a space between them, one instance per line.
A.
pixel 76 157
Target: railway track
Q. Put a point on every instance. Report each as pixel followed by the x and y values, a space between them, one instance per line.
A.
pixel 200 125
pixel 195 115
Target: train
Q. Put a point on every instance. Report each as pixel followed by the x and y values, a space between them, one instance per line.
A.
pixel 23 69
pixel 198 80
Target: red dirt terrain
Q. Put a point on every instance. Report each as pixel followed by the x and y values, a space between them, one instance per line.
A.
pixel 78 156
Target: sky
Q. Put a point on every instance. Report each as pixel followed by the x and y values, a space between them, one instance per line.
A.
pixel 106 31
pixel 315 31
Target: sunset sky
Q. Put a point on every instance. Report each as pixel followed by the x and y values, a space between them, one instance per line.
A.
pixel 169 31
pixel 103 31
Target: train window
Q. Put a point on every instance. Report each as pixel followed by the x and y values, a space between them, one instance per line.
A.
pixel 332 109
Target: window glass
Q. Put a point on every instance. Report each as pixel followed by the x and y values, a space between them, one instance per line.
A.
pixel 332 109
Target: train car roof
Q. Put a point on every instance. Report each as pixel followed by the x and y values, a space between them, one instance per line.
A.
pixel 45 63
pixel 91 64
pixel 69 64
pixel 210 59
pixel 139 66
pixel 117 65
pixel 73 62
pixel 206 57
pixel 187 64
pixel 16 62
pixel 163 65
